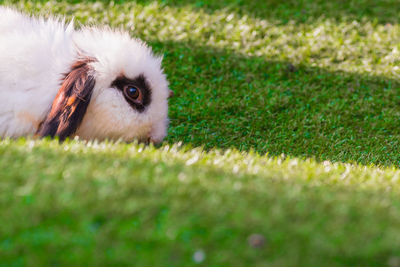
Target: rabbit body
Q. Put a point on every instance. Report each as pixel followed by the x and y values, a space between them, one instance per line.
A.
pixel 58 81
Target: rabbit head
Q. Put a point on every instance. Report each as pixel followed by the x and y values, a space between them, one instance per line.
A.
pixel 115 89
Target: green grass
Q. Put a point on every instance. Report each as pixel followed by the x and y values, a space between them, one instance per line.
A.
pixel 116 204
pixel 317 81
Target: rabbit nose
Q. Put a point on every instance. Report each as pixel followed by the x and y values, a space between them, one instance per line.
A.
pixel 154 141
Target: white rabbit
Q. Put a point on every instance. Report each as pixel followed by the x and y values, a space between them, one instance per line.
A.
pixel 94 83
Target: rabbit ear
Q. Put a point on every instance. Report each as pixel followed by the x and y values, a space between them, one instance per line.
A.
pixel 71 102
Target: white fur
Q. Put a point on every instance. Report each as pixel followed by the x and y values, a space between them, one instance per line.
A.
pixel 35 54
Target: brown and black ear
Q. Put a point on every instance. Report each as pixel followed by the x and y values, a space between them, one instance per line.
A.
pixel 71 102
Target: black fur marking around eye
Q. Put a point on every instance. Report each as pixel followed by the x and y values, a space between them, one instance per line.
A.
pixel 140 83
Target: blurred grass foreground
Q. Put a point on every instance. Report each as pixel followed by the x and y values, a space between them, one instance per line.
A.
pixel 283 148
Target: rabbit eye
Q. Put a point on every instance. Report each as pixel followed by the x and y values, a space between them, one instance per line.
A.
pixel 137 91
pixel 132 93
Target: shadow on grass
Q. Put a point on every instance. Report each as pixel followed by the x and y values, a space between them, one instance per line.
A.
pixel 226 100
